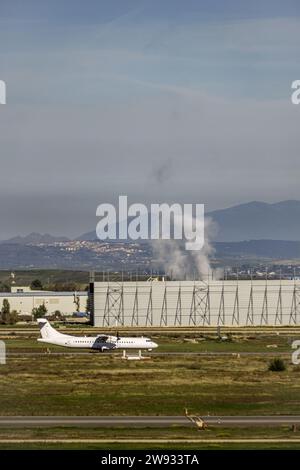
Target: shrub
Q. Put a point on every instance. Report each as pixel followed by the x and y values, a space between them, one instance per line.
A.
pixel 13 317
pixel 8 317
pixel 5 312
pixel 36 285
pixel 39 312
pixel 277 365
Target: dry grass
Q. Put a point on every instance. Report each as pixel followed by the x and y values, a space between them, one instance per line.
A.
pixel 105 385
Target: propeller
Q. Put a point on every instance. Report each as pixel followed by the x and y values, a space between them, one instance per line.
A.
pixel 117 335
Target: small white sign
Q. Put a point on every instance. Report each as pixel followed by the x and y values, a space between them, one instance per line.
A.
pixel 2 353
pixel 2 92
pixel 296 354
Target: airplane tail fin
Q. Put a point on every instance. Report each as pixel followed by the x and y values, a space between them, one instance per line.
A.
pixel 47 331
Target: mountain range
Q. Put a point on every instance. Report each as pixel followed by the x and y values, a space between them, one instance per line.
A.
pixel 35 238
pixel 251 221
pixel 258 220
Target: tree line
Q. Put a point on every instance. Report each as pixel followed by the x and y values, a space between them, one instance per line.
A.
pixel 10 317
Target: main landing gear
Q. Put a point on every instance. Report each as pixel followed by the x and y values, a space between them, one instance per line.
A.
pixel 134 358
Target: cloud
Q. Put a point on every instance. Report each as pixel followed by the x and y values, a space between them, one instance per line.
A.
pixel 158 110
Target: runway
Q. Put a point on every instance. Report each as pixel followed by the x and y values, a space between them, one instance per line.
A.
pixel 144 421
pixel 199 442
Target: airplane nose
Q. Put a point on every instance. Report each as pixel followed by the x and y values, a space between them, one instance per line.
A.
pixel 154 345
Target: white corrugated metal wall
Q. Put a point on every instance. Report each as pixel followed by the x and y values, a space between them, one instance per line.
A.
pixel 187 303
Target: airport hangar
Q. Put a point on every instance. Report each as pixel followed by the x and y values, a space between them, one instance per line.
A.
pixel 172 303
pixel 195 303
pixel 24 300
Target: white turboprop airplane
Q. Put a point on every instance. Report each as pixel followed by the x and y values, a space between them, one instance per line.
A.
pixel 100 342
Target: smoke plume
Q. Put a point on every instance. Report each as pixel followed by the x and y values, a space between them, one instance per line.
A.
pixel 172 257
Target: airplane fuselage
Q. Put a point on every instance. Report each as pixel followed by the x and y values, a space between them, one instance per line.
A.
pixel 100 342
pixel 95 342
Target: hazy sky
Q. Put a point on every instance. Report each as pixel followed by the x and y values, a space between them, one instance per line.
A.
pixel 184 101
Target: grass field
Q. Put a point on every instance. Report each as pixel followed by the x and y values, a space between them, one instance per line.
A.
pixel 154 447
pixel 97 384
pixel 102 384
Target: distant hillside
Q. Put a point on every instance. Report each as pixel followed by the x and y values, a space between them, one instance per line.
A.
pixel 273 249
pixel 88 236
pixel 34 239
pixel 257 221
pixel 17 256
pixel 131 257
pixel 251 221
